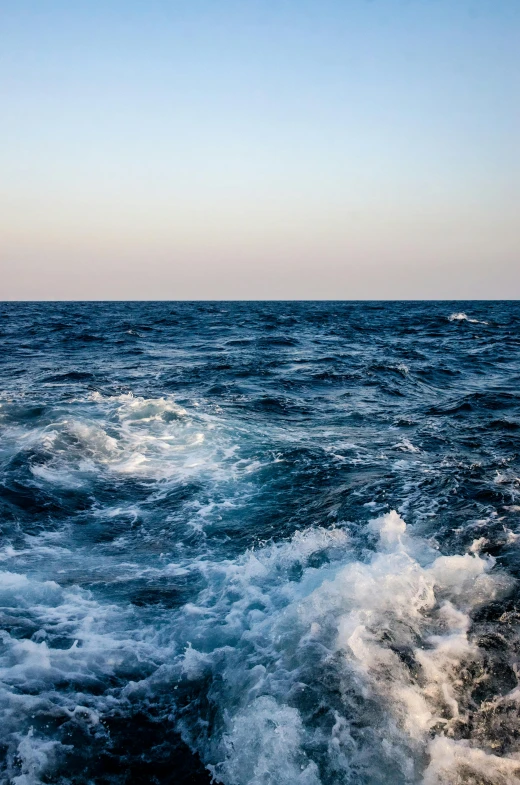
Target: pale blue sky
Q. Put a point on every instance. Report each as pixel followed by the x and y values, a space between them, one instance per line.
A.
pixel 364 148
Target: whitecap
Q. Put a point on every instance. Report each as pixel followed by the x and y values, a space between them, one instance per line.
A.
pixel 462 317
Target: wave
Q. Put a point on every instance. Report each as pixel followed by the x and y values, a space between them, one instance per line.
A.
pixel 120 435
pixel 299 663
pixel 462 317
pixel 191 586
pixel 357 672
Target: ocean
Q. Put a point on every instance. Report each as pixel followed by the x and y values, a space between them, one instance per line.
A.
pixel 260 543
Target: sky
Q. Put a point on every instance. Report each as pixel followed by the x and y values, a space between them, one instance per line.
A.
pixel 259 149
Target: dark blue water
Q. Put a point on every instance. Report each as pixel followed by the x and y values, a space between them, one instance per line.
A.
pixel 268 543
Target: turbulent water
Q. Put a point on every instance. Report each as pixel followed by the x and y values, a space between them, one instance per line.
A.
pixel 264 543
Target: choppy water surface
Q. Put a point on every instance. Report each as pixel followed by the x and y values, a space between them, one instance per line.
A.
pixel 268 543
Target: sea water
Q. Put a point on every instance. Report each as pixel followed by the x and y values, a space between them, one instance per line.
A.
pixel 260 543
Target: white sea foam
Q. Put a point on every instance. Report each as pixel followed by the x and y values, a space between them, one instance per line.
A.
pixel 458 762
pixel 394 627
pixel 130 436
pixel 36 757
pixel 264 744
pixel 462 317
pixel 103 641
pixel 323 666
pixel 405 445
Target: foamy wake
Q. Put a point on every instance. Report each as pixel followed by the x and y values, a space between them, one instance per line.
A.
pixel 299 664
pixel 359 672
pixel 126 436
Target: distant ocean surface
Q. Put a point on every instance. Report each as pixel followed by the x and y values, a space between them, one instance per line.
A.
pixel 264 543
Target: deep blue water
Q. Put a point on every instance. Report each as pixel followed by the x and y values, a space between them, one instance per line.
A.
pixel 272 543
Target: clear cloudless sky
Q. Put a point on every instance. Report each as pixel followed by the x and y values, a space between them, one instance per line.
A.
pixel 344 149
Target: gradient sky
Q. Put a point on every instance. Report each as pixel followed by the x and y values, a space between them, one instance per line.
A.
pixel 341 149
